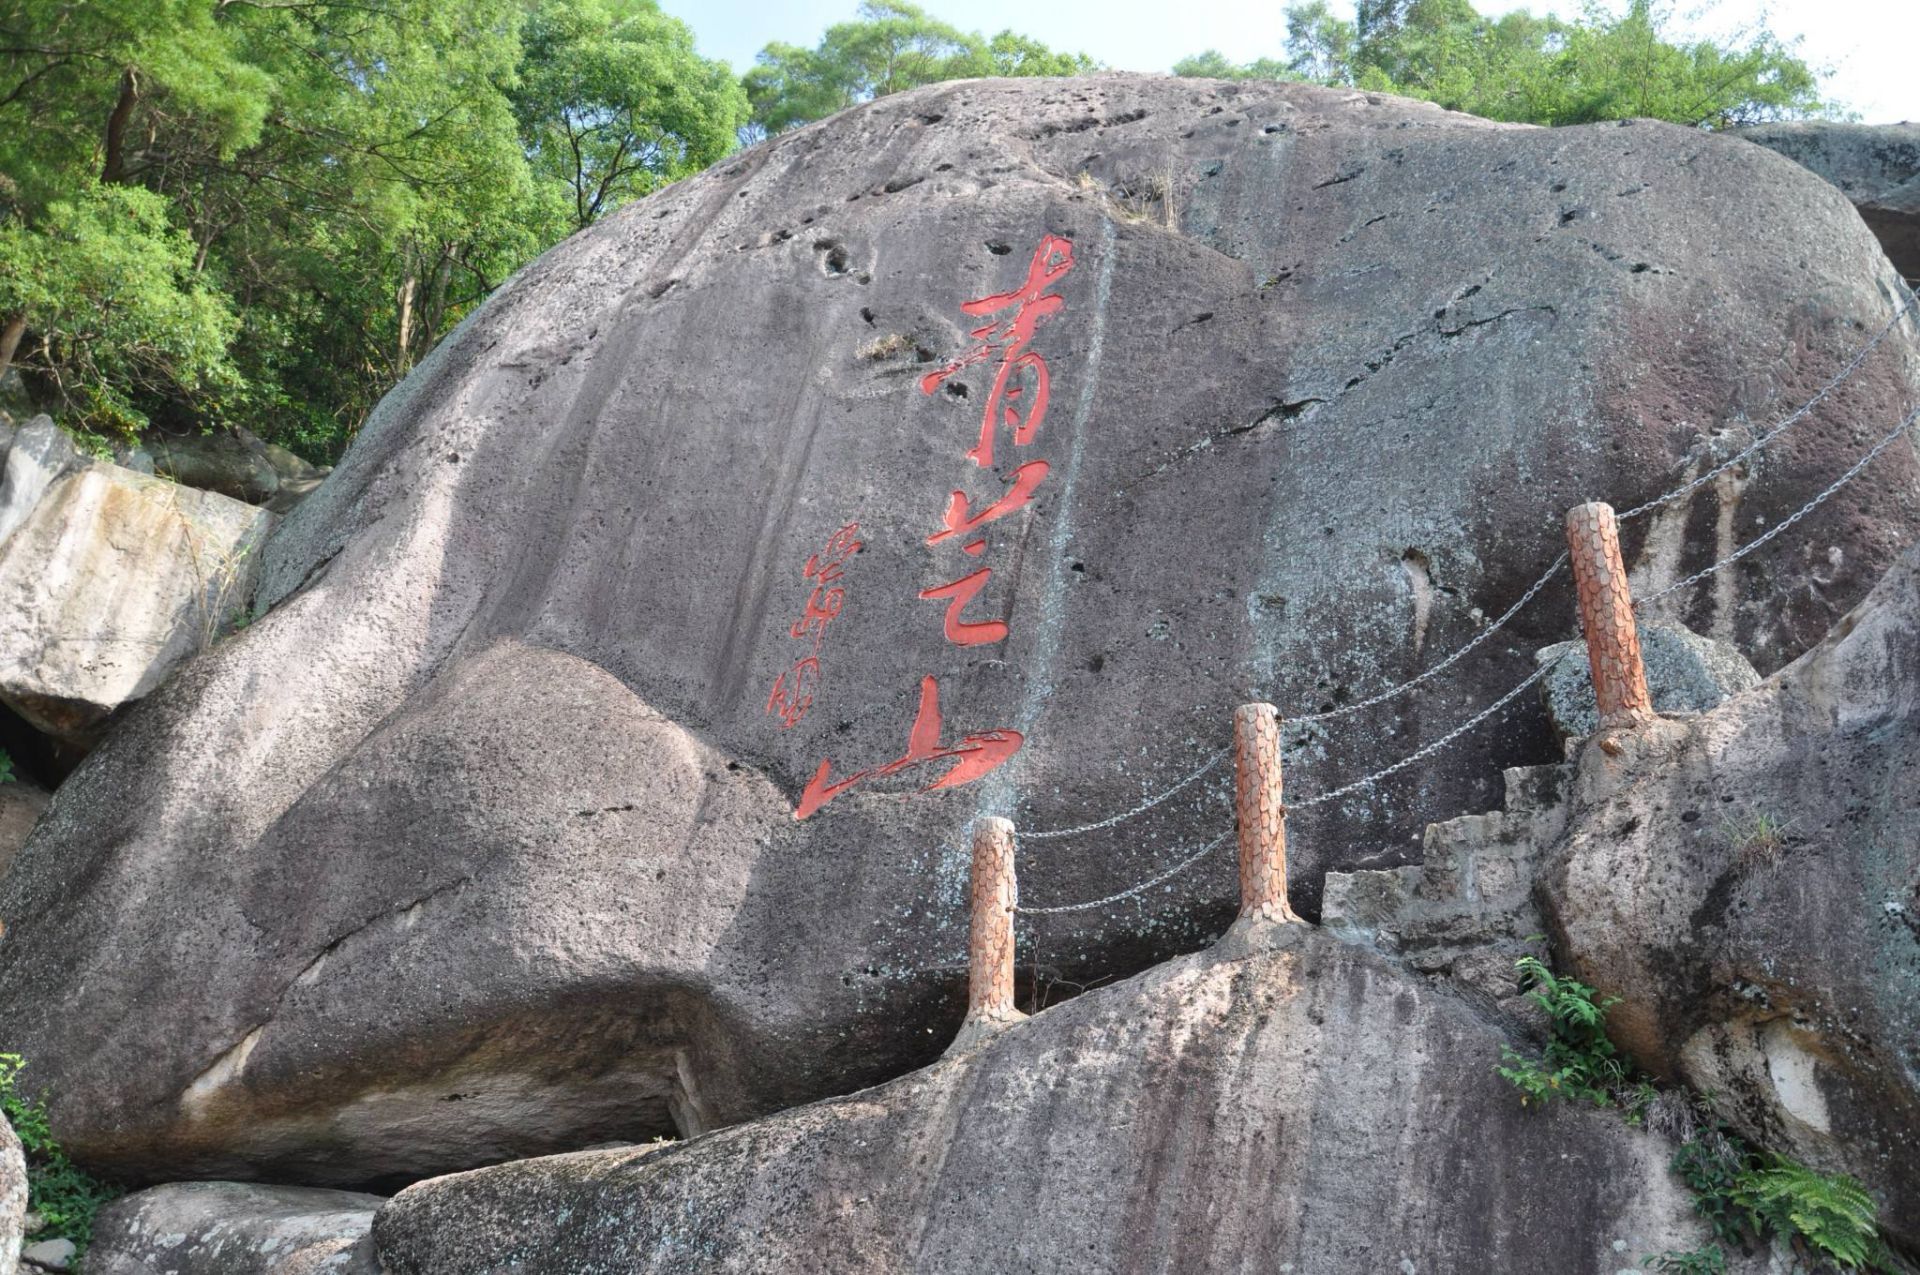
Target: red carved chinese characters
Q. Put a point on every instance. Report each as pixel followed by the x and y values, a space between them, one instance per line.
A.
pixel 1030 304
pixel 1017 404
pixel 978 754
pixel 793 690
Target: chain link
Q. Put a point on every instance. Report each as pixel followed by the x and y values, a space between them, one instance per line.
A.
pixel 1381 698
pixel 1130 891
pixel 1438 744
pixel 1125 815
pixel 1853 365
pixel 1798 514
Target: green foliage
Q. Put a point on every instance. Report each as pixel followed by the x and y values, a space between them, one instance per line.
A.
pixel 1579 1062
pixel 613 102
pixel 265 213
pixel 891 46
pixel 6 768
pixel 1604 65
pixel 65 1197
pixel 1709 1259
pixel 108 288
pixel 1742 1193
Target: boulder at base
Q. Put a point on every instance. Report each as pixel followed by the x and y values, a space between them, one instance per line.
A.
pixel 485 841
pixel 109 581
pixel 233 1228
pixel 1311 1108
pixel 1748 883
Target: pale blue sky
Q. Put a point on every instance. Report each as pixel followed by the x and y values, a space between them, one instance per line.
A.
pixel 1873 46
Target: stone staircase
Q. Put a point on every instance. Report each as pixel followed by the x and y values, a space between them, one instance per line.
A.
pixel 1467 910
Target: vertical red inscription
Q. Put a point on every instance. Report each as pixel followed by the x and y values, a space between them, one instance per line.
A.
pixel 792 693
pixel 1017 403
pixel 1010 403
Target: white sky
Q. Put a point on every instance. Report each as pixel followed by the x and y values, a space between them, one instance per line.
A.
pixel 1871 46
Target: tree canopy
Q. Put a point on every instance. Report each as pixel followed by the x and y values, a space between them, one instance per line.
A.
pixel 1601 66
pixel 892 45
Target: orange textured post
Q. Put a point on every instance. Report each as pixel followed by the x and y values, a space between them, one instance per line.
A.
pixel 1261 813
pixel 990 941
pixel 1606 616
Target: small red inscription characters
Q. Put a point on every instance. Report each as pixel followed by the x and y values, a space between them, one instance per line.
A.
pixel 793 690
pixel 1018 404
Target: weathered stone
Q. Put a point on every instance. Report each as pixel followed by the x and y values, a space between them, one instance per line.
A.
pixel 1876 165
pixel 1687 673
pixel 1311 1109
pixel 1467 908
pixel 230 1228
pixel 13 1198
pixel 49 1255
pixel 490 806
pixel 219 460
pixel 38 453
pixel 21 805
pixel 110 582
pixel 1748 883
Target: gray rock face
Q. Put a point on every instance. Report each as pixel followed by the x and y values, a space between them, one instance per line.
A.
pixel 1311 1108
pixel 1877 165
pixel 494 812
pixel 1748 882
pixel 1686 673
pixel 109 581
pixel 234 463
pixel 13 1198
pixel 231 1228
pixel 37 453
pixel 21 805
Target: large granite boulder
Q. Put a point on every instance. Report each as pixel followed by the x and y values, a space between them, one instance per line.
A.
pixel 484 840
pixel 1312 1109
pixel 233 1228
pixel 110 580
pixel 1876 165
pixel 1748 883
pixel 234 462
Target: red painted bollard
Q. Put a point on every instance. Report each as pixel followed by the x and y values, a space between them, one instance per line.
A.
pixel 1261 813
pixel 990 940
pixel 1606 616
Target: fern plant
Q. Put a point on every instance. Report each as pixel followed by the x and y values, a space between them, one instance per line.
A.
pixel 1709 1259
pixel 1834 1214
pixel 1579 1061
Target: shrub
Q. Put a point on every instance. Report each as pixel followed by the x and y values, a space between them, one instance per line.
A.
pixel 65 1196
pixel 1579 1061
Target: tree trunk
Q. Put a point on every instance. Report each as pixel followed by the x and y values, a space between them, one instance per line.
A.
pixel 114 167
pixel 409 288
pixel 10 340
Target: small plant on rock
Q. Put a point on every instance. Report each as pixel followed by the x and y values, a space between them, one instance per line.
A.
pixel 1579 1061
pixel 65 1196
pixel 1757 836
pixel 1709 1259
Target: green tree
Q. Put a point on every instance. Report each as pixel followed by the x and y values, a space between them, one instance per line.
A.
pixel 891 46
pixel 108 289
pixel 1540 70
pixel 613 102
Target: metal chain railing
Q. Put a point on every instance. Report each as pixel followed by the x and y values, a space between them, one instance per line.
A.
pixel 1759 442
pixel 1832 487
pixel 1158 879
pixel 1559 563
